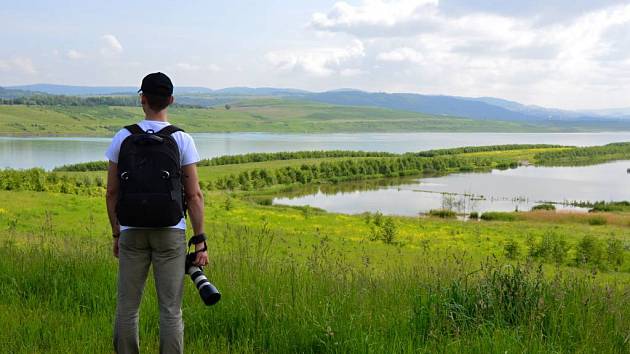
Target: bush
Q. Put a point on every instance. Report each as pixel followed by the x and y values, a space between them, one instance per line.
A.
pixel 597 220
pixel 84 166
pixel 265 201
pixel 498 216
pixel 512 249
pixel 474 215
pixel 615 252
pixel 378 218
pixel 610 206
pixel 551 248
pixel 545 206
pixel 389 231
pixel 589 251
pixel 443 213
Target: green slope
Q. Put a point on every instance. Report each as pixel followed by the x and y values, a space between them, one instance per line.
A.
pixel 253 115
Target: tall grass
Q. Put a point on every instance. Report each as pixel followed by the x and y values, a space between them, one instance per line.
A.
pixel 59 296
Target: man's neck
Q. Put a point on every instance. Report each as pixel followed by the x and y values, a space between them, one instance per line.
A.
pixel 161 116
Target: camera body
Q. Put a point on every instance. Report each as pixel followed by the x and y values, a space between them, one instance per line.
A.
pixel 208 292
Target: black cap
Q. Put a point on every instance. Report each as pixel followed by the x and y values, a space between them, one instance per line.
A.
pixel 157 84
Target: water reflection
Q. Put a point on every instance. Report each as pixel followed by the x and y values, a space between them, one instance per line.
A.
pixel 50 152
pixel 507 190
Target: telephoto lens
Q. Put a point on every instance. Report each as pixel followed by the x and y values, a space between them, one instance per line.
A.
pixel 208 292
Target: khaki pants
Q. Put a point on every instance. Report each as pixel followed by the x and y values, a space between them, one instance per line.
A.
pixel 138 248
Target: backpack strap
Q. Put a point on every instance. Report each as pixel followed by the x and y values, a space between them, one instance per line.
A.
pixel 134 129
pixel 169 129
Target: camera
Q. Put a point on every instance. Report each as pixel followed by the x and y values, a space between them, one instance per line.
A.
pixel 208 292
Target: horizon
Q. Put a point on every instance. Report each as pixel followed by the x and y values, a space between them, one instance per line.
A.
pixel 562 54
pixel 585 110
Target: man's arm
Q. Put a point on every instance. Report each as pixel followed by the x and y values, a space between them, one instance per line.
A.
pixel 111 197
pixel 194 199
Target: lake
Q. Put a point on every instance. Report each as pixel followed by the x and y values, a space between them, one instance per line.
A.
pixel 498 190
pixel 48 152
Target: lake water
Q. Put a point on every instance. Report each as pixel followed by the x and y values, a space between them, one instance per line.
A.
pixel 499 190
pixel 51 152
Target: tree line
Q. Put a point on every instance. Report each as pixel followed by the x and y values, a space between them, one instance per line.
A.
pixel 286 155
pixel 321 172
pixel 295 155
pixel 38 180
pixel 584 155
pixel 350 169
pixel 487 148
pixel 90 101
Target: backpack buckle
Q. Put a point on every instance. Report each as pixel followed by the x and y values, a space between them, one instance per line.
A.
pixel 165 174
pixel 124 176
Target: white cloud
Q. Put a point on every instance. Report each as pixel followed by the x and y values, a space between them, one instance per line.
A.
pixel 187 66
pixel 197 67
pixel 316 61
pixel 378 17
pixel 401 55
pixel 22 65
pixel 420 48
pixel 74 54
pixel 351 72
pixel 111 44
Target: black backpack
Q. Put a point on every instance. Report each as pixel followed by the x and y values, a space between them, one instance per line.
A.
pixel 149 169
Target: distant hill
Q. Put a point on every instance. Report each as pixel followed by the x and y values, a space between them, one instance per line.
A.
pixel 260 91
pixel 479 108
pixel 69 90
pixel 437 105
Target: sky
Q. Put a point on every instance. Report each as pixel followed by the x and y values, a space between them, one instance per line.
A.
pixel 572 54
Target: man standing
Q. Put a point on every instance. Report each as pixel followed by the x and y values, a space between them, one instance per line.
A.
pixel 150 163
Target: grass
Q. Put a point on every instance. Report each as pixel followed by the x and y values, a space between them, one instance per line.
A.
pixel 252 115
pixel 301 282
pixel 298 279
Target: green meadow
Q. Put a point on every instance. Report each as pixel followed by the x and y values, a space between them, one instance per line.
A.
pixel 298 279
pixel 251 115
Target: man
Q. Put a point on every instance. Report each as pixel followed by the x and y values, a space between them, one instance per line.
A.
pixel 164 246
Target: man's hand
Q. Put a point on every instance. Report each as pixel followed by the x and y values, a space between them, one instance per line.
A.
pixel 115 248
pixel 201 258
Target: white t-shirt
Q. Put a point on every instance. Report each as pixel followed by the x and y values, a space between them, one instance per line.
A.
pixel 187 151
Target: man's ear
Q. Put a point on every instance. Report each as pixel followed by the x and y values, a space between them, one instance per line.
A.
pixel 171 100
pixel 143 100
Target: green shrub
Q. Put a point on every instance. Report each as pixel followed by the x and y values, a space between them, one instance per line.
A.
pixel 474 215
pixel 545 206
pixel 378 218
pixel 498 216
pixel 512 249
pixel 265 201
pixel 228 204
pixel 597 220
pixel 84 166
pixel 589 251
pixel 443 213
pixel 550 248
pixel 389 231
pixel 610 206
pixel 615 252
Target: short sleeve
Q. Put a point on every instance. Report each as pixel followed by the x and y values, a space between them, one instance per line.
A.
pixel 114 148
pixel 189 151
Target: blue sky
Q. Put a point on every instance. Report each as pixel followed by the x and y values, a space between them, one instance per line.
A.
pixel 568 54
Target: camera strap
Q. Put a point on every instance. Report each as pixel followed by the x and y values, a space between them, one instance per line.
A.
pixel 198 239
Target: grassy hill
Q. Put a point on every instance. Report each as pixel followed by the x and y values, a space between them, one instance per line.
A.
pixel 251 115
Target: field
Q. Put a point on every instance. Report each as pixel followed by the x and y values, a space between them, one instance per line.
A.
pixel 303 280
pixel 253 115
